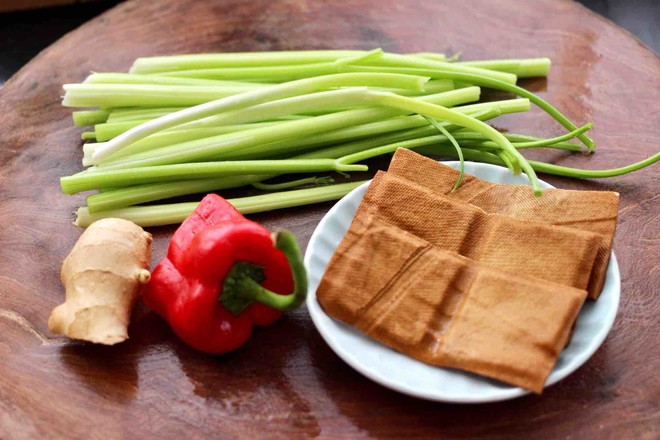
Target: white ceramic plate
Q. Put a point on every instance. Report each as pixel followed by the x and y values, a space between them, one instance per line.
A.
pixel 406 375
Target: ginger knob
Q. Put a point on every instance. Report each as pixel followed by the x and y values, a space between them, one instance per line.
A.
pixel 102 276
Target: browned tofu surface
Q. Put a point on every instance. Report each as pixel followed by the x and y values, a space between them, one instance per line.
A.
pixel 591 211
pixel 445 309
pixel 558 254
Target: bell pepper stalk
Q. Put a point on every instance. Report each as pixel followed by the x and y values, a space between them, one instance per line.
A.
pixel 224 274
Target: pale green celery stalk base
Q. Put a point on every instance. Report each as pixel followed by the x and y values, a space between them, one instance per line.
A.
pixel 132 78
pixel 431 87
pixel 212 147
pixel 447 99
pixel 117 198
pixel 406 62
pixel 259 96
pixel 149 193
pixel 275 74
pixel 429 56
pixel 144 193
pixel 145 95
pixel 98 178
pixel 319 103
pixel 132 114
pixel 522 68
pixel 241 59
pixel 166 138
pixel 270 73
pixel 112 199
pixel 208 148
pixel 108 131
pixel 159 215
pixel 134 195
pixel 275 148
pixel 388 124
pixel 83 118
pixel 148 113
pixel 294 145
pixel 370 135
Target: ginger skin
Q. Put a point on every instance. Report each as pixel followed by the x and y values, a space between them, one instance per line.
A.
pixel 102 276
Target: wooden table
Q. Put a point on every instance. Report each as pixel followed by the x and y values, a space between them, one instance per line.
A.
pixel 286 382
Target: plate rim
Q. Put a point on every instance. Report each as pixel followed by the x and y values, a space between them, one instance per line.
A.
pixel 317 313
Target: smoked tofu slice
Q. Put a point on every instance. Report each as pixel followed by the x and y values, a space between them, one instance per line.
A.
pixel 444 309
pixel 553 253
pixel 591 211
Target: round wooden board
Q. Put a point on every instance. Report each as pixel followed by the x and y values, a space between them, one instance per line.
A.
pixel 286 382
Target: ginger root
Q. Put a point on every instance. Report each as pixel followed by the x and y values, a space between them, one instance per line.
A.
pixel 102 276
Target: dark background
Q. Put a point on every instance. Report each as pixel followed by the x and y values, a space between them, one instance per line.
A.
pixel 24 34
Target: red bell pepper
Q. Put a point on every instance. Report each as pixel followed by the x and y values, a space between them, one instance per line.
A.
pixel 223 274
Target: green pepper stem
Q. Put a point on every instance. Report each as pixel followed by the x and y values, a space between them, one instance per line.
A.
pixel 248 289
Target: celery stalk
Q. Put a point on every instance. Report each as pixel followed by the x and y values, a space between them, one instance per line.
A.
pixel 320 181
pixel 559 170
pixel 484 82
pixel 145 95
pixel 374 131
pixel 172 137
pixel 403 61
pixel 158 215
pixel 280 91
pixel 322 101
pixel 273 74
pixel 224 146
pixel 429 55
pixel 99 178
pixel 114 198
pixel 244 59
pixel 108 130
pixel 131 114
pixel 89 117
pixel 129 78
pixel 522 68
pixel 439 112
pixel 202 149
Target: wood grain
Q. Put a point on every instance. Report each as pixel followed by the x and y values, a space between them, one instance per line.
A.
pixel 286 382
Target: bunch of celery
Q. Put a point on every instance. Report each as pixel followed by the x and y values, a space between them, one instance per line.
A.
pixel 191 124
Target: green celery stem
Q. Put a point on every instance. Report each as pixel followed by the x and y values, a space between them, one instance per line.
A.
pixel 259 96
pixel 82 118
pixel 159 215
pixel 323 180
pixel 559 170
pixel 469 78
pixel 522 68
pixel 240 59
pixel 99 178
